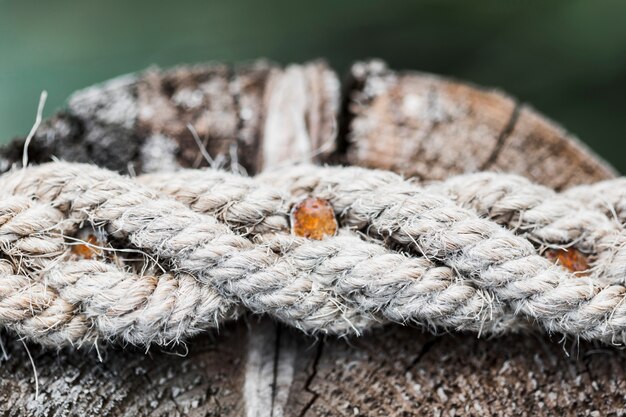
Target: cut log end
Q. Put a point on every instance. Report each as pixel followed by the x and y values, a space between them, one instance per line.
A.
pixel 430 127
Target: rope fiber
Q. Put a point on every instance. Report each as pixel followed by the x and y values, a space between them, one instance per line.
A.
pixel 182 252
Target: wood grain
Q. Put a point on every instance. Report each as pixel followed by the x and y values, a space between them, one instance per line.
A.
pixel 430 127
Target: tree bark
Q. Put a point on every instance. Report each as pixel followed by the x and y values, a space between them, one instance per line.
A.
pixel 259 116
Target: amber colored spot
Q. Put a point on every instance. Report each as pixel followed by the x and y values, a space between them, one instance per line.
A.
pixel 89 249
pixel 571 259
pixel 313 218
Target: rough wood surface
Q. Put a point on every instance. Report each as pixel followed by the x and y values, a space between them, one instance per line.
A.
pixel 431 127
pixel 146 122
pixel 412 123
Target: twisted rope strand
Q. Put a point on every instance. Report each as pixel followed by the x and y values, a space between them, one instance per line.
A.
pixel 81 301
pixel 474 273
pixel 385 204
pixel 530 210
pixel 607 196
pixel 309 285
pixel 256 209
pixel 543 216
pixel 31 233
pixel 198 186
pixel 240 202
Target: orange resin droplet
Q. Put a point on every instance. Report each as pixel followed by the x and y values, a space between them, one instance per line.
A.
pixel 313 218
pixel 88 250
pixel 571 259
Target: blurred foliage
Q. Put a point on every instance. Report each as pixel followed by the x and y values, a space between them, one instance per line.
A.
pixel 566 58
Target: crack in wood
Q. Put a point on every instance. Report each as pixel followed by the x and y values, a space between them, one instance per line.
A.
pixel 428 345
pixel 503 136
pixel 275 372
pixel 310 378
pixel 345 117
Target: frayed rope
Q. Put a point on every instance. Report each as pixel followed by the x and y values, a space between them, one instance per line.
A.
pixel 190 250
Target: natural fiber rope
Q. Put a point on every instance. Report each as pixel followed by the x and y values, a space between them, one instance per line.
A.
pixel 432 256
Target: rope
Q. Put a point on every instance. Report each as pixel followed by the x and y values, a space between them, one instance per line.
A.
pixel 190 250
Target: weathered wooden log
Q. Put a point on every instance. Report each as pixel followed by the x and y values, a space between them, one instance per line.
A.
pixel 260 116
pixel 147 122
pixel 431 127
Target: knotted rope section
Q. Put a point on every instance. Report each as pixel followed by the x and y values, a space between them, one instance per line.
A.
pixel 181 252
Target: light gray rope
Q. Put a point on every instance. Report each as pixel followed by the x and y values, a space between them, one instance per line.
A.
pixel 544 217
pixel 607 196
pixel 423 258
pixel 307 284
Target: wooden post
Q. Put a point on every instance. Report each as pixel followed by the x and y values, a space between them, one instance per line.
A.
pixel 259 116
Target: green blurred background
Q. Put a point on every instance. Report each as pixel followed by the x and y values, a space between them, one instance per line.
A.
pixel 566 58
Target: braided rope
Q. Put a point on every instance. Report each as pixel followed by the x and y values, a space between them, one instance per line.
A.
pixel 213 244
